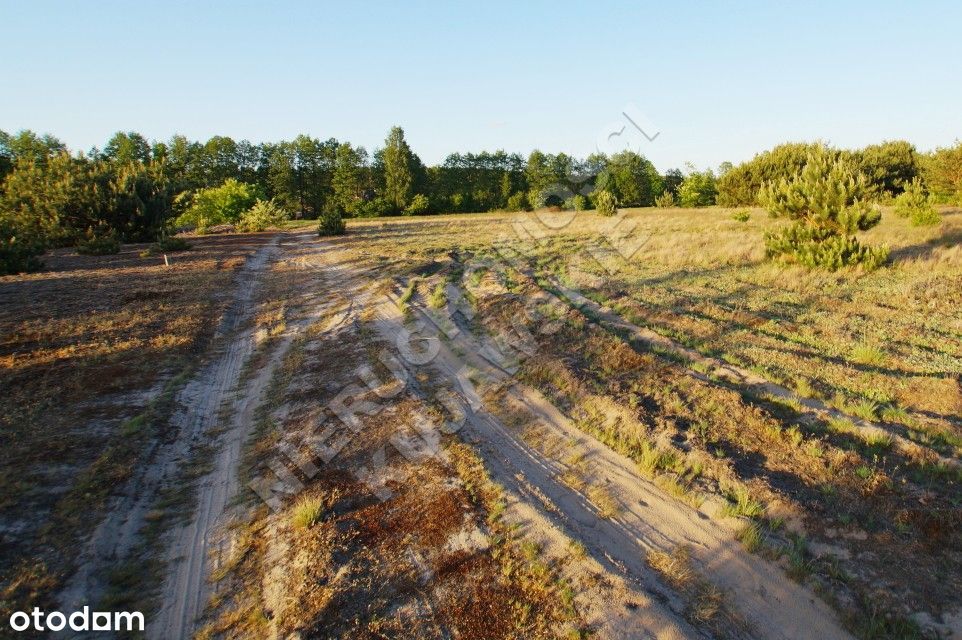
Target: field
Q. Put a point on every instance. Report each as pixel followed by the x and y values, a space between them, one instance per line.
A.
pixel 490 425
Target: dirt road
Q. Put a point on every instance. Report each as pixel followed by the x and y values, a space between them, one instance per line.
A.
pixel 117 536
pixel 201 546
pixel 641 518
pixel 647 518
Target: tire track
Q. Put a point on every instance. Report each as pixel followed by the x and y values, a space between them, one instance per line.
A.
pixel 118 534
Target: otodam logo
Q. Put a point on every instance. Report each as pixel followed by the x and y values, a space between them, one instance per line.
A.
pixel 83 620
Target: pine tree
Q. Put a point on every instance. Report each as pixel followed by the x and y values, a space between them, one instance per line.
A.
pixel 826 202
pixel 914 203
pixel 346 180
pixel 398 175
pixel 606 204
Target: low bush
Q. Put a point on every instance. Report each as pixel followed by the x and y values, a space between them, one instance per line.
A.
pixel 742 215
pixel 826 202
pixel 218 205
pixel 665 201
pixel 698 189
pixel 942 172
pixel 605 203
pixel 331 222
pixel 172 243
pixel 99 241
pixel 912 198
pixel 916 205
pixel 264 214
pixel 166 244
pixel 576 202
pixel 518 202
pixel 19 252
pixel 419 205
pixel 926 217
pixel 817 248
pixel 375 208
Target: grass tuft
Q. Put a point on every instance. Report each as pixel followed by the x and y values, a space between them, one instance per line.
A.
pixel 307 512
pixel 741 503
pixel 751 537
pixel 867 354
pixel 438 297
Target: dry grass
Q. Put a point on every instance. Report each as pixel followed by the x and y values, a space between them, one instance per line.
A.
pixel 885 346
pixel 706 604
pixel 701 280
pixel 307 511
pixel 343 539
pixel 89 358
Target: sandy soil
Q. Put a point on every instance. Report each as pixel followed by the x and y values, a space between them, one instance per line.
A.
pixel 628 599
pixel 202 545
pixel 118 533
pixel 772 605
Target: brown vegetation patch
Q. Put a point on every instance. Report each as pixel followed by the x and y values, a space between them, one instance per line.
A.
pixel 89 345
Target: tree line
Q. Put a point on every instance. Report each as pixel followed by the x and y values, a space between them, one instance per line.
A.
pixel 889 168
pixel 136 190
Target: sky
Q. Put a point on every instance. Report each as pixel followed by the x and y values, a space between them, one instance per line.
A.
pixel 704 82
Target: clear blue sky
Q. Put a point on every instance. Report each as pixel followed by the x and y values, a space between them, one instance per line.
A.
pixel 719 80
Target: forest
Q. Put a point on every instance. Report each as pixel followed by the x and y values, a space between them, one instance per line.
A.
pixel 135 190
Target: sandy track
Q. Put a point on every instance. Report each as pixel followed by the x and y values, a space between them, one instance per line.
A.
pixel 118 533
pixel 773 605
pixel 202 545
pixel 649 519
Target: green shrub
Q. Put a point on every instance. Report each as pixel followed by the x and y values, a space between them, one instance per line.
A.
pixel 518 202
pixel 740 185
pixel 605 203
pixel 166 244
pixel 99 241
pixel 218 205
pixel 537 198
pixel 264 214
pixel 331 222
pixel 577 202
pixel 915 204
pixel 419 204
pixel 375 208
pixel 698 189
pixel 742 215
pixel 889 166
pixel 926 217
pixel 816 248
pixel 631 178
pixel 825 201
pixel 942 171
pixel 458 202
pixel 19 251
pixel 170 244
pixel 665 201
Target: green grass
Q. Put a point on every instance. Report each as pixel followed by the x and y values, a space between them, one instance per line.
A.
pixel 865 409
pixel 867 354
pixel 438 297
pixel 864 472
pixel 799 564
pixel 879 442
pixel 751 537
pixel 307 512
pixel 741 503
